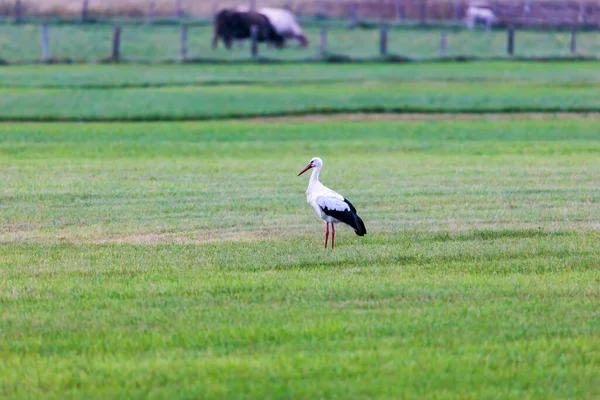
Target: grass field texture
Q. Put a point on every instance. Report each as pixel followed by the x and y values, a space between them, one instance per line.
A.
pixel 50 93
pixel 235 101
pixel 136 76
pixel 21 43
pixel 181 260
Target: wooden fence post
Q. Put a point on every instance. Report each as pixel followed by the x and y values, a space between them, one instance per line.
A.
pixel 323 41
pixel 254 37
pixel 184 43
pixel 399 15
pixel 116 44
pixel 443 44
pixel 353 14
pixel 526 11
pixel 18 11
pixel 85 10
pixel 510 46
pixel 423 12
pixel 573 39
pixel 321 13
pixel 581 14
pixel 457 10
pixel 383 40
pixel 151 12
pixel 178 8
pixel 45 44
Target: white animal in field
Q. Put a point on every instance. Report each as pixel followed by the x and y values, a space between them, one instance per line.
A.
pixel 477 13
pixel 283 22
pixel 330 206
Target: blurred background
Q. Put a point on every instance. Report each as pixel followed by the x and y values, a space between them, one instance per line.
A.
pixel 181 30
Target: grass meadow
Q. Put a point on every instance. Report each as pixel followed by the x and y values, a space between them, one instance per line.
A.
pixel 152 43
pixel 179 259
pixel 193 92
pixel 226 101
pixel 95 76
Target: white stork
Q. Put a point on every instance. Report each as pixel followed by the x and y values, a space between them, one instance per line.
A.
pixel 330 206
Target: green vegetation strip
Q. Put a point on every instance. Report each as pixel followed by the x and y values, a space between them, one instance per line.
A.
pixel 206 181
pixel 131 76
pixel 181 260
pixel 186 92
pixel 233 101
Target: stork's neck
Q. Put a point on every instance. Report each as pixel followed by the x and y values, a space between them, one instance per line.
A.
pixel 314 176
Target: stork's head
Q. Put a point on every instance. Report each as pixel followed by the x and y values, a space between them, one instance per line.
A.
pixel 316 162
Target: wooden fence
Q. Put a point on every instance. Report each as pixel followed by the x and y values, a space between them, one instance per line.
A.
pixel 381 45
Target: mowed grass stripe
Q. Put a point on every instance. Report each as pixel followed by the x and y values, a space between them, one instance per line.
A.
pixel 191 103
pixel 123 76
pixel 197 182
pixel 276 321
pixel 478 278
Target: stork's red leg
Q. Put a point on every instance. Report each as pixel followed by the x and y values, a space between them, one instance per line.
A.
pixel 326 233
pixel 332 235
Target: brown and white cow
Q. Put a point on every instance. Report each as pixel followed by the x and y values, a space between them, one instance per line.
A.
pixel 285 24
pixel 232 25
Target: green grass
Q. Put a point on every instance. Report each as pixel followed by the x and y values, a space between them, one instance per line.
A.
pixel 185 92
pixel 116 76
pixel 120 179
pixel 194 322
pixel 181 260
pixel 175 103
pixel 21 43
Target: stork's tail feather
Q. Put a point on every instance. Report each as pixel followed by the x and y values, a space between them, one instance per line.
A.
pixel 359 227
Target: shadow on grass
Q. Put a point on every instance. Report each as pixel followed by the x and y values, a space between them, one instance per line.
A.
pixel 490 234
pixel 157 117
pixel 345 263
pixel 325 59
pixel 497 264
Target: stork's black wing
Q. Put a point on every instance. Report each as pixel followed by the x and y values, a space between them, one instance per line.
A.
pixel 342 210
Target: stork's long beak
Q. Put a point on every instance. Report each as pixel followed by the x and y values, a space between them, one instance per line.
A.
pixel 305 169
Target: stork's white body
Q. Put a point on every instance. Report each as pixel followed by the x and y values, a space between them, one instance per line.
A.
pixel 329 205
pixel 319 195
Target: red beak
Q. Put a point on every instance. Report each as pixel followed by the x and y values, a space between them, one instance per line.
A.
pixel 305 169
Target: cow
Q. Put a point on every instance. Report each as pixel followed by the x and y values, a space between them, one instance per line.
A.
pixel 285 24
pixel 232 25
pixel 480 12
